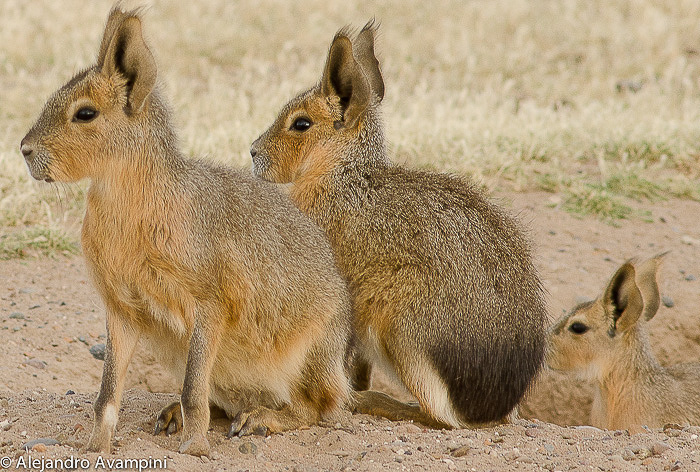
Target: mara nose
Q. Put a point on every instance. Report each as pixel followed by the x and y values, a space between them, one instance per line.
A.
pixel 253 152
pixel 26 149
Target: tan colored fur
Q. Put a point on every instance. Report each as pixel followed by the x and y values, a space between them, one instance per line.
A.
pixel 233 287
pixel 632 388
pixel 444 290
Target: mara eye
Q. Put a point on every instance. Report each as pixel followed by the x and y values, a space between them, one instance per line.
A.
pixel 85 115
pixel 301 124
pixel 578 328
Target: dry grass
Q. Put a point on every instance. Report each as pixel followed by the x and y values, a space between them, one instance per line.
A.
pixel 565 96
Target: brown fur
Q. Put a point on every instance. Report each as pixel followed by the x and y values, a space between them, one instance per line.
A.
pixel 444 290
pixel 632 389
pixel 234 288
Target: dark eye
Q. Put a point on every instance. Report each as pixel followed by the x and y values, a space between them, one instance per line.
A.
pixel 578 328
pixel 301 124
pixel 85 115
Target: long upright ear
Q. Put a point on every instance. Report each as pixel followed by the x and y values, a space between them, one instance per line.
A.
pixel 364 52
pixel 127 54
pixel 648 285
pixel 115 18
pixel 622 300
pixel 343 78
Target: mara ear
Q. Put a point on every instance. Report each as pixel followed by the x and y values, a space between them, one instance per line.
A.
pixel 622 301
pixel 115 18
pixel 124 52
pixel 343 78
pixel 648 285
pixel 364 52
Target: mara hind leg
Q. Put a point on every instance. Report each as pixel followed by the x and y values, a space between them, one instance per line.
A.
pixel 380 404
pixel 321 389
pixel 306 408
pixel 434 408
pixel 262 421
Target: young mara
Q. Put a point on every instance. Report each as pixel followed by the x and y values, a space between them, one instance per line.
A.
pixel 606 341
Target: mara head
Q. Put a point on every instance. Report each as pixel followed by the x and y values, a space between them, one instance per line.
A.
pixel 595 334
pixel 315 130
pixel 88 120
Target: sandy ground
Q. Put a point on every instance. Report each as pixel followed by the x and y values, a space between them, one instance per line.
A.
pixel 50 316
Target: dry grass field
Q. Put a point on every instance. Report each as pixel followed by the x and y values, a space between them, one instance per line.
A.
pixel 581 116
pixel 599 101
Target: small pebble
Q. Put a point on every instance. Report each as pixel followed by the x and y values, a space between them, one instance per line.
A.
pixel 98 351
pixel 36 363
pixel 667 301
pixel 659 448
pixel 690 277
pixel 16 316
pixel 627 454
pixel 461 451
pixel 248 447
pixel 215 456
pixel 643 453
pixel 689 240
pixel 45 441
pixel 70 392
pixel 588 428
